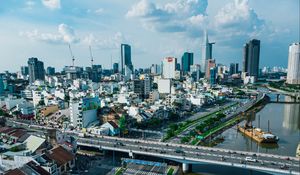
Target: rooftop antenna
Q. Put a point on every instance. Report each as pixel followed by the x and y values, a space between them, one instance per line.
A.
pixel 73 58
pixel 92 59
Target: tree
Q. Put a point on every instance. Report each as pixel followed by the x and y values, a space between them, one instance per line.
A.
pixel 122 123
pixel 173 126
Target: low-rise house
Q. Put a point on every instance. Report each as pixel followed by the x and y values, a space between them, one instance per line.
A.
pixel 64 159
pixel 113 128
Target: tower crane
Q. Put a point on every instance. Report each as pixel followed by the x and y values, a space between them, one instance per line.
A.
pixel 91 55
pixel 73 58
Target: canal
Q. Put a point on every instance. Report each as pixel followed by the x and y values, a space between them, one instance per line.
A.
pixel 284 122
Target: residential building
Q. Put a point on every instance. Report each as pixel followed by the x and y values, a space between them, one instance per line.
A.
pixel 83 112
pixel 293 75
pixel 142 87
pixel 169 67
pixel 37 97
pixel 26 109
pixel 251 58
pixel 113 128
pixel 186 61
pixel 36 70
pixel 164 86
pixel 64 159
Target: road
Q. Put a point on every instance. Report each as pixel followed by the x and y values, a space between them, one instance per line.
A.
pixel 266 162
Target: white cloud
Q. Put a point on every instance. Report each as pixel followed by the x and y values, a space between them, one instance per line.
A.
pixel 65 35
pixel 176 16
pixel 108 42
pixel 99 11
pixel 238 15
pixel 52 4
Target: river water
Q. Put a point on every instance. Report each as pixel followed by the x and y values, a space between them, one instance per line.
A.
pixel 284 122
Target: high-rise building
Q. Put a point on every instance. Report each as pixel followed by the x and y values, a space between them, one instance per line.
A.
pixel 116 68
pixel 1 85
pixel 169 67
pixel 126 58
pixel 50 71
pixel 73 72
pixel 154 69
pixel 24 70
pixel 195 71
pixel 142 87
pixel 293 74
pixel 36 70
pixel 96 73
pixel 234 68
pixel 187 60
pixel 251 58
pixel 210 64
pixel 206 52
pixel 213 75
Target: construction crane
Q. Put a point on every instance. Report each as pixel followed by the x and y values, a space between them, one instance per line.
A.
pixel 92 59
pixel 73 58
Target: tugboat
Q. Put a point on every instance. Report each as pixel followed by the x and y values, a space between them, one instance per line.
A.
pixel 298 151
pixel 257 134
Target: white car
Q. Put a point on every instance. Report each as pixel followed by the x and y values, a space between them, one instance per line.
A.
pixel 250 159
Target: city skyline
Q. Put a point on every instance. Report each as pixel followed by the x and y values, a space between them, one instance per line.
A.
pixel 154 30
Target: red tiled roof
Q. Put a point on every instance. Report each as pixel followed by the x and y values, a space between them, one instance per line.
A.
pixel 60 155
pixel 37 168
pixel 15 172
pixel 18 133
pixel 5 130
pixel 113 124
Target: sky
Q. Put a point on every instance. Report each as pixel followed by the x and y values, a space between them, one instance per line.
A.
pixel 154 28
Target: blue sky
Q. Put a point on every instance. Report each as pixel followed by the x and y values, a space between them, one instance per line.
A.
pixel 154 28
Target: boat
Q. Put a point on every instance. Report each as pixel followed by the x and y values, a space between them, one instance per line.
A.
pixel 298 151
pixel 257 134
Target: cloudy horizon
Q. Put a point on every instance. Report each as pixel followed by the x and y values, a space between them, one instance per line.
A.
pixel 154 29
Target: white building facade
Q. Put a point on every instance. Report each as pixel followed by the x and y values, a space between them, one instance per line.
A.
pixel 293 75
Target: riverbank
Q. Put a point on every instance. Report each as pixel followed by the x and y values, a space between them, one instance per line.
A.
pixel 284 120
pixel 234 120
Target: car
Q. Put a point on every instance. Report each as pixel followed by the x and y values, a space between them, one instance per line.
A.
pixel 178 151
pixel 250 159
pixel 284 167
pixel 287 158
pixel 120 143
pixel 162 152
pixel 223 158
pixel 272 163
